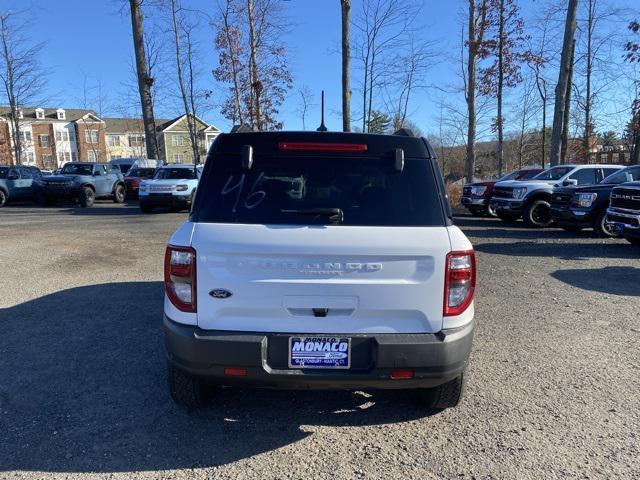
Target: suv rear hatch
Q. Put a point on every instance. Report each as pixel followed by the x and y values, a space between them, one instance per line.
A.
pixel 320 240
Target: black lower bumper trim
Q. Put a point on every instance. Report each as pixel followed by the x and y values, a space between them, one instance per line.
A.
pixel 434 358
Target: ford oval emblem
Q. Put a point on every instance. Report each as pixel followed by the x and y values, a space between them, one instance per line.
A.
pixel 220 293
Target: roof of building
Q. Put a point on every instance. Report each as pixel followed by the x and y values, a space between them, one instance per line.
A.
pixel 71 114
pixel 122 125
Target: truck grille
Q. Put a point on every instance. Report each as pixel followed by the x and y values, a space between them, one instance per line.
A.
pixel 632 222
pixel 561 199
pixel 626 198
pixel 504 192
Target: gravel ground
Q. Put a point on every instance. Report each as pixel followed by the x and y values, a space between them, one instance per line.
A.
pixel 553 390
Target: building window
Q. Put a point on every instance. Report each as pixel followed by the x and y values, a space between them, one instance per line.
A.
pixel 64 157
pixel 47 160
pixel 30 157
pixel 61 114
pixel 25 136
pixel 43 140
pixel 91 136
pixel 178 158
pixel 114 140
pixel 72 136
pixel 93 156
pixel 39 114
pixel 177 140
pixel 136 140
pixel 115 157
pixel 62 136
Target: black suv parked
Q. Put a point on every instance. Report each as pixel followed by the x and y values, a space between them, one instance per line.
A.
pixel 575 208
pixel 624 212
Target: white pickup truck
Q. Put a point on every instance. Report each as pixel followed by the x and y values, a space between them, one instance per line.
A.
pixel 319 260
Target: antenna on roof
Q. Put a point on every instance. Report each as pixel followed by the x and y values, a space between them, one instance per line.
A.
pixel 322 127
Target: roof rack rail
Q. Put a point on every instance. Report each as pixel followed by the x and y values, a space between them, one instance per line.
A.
pixel 404 132
pixel 244 128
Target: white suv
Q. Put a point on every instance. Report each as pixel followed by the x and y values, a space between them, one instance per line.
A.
pixel 319 260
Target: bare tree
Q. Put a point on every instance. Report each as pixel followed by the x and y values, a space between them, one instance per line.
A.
pixel 145 80
pixel 253 60
pixel 564 144
pixel 382 27
pixel 20 71
pixel 632 49
pixel 345 8
pixel 477 26
pixel 306 102
pixel 562 86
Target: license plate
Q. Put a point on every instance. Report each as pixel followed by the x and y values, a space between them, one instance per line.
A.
pixel 320 352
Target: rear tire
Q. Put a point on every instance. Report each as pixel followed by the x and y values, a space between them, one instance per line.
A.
pixel 443 396
pixel 119 194
pixel 187 391
pixel 537 214
pixel 600 226
pixel 491 212
pixel 3 198
pixel 87 197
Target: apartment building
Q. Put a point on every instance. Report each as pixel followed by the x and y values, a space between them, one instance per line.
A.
pixel 50 137
pixel 174 142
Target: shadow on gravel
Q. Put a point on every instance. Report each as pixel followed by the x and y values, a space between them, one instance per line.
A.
pixel 82 389
pixel 612 280
pixel 564 251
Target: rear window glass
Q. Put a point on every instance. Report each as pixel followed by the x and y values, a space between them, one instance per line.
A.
pixel 319 190
pixel 555 173
pixel 141 172
pixel 175 174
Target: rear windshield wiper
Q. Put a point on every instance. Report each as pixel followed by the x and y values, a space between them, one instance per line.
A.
pixel 336 215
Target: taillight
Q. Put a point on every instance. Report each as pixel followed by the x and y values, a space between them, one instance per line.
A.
pixel 322 147
pixel 459 282
pixel 180 277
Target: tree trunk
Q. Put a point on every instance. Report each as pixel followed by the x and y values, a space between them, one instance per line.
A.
pixel 562 85
pixel 544 130
pixel 635 153
pixel 191 121
pixel 500 84
pixel 346 56
pixel 567 110
pixel 587 101
pixel 255 82
pixel 144 81
pixel 234 66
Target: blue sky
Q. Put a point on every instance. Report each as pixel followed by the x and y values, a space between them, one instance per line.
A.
pixel 93 38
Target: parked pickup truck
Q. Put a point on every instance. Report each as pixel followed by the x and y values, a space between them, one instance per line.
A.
pixel 476 196
pixel 624 211
pixel 319 260
pixel 575 208
pixel 18 183
pixel 531 199
pixel 83 182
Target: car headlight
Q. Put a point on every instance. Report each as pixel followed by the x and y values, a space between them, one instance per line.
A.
pixel 182 188
pixel 586 199
pixel 519 192
pixel 143 187
pixel 478 191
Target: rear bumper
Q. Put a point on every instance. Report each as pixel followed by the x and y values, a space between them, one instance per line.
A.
pixel 434 358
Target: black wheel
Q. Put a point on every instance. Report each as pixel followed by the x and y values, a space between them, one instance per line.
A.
pixel 633 241
pixel 537 214
pixel 119 194
pixel 3 198
pixel 446 395
pixel 571 228
pixel 187 391
pixel 600 226
pixel 146 208
pixel 506 217
pixel 87 197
